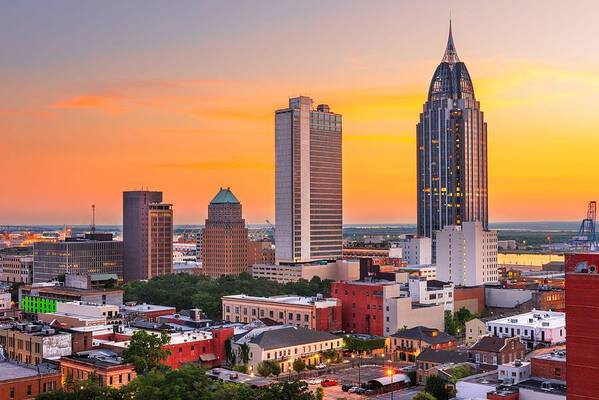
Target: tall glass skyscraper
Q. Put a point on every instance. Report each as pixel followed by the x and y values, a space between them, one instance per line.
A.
pixel 451 150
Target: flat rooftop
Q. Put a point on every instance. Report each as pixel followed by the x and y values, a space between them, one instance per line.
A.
pixel 548 386
pixel 146 308
pixel 10 370
pixel 286 299
pixel 68 291
pixel 535 319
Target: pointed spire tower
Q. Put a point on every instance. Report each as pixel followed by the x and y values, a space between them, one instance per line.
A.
pixel 451 55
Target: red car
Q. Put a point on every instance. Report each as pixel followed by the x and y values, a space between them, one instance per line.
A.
pixel 328 383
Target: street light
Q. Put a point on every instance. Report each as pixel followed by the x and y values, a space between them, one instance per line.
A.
pixel 390 372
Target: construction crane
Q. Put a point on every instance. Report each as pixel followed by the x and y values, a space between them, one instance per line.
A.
pixel 587 234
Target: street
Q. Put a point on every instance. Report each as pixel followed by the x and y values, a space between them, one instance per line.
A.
pixel 403 394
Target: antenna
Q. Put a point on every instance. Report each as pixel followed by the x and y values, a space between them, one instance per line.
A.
pixel 93 218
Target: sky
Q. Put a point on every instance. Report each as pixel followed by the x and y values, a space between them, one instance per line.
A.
pixel 99 97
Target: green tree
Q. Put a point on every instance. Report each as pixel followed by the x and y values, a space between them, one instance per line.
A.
pixel 293 390
pixel 436 387
pixel 299 365
pixel 450 326
pixel 244 353
pixel 268 367
pixel 424 396
pixel 319 393
pixel 146 351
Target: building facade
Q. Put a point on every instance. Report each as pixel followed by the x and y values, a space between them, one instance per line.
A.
pixel 338 270
pixel 467 254
pixel 225 237
pixel 16 265
pixel 306 312
pixel 308 184
pixel 493 351
pixel 407 344
pixel 582 312
pixel 109 369
pixel 546 328
pixel 147 235
pixel 451 150
pixel 431 291
pixel 77 256
pixel 44 299
pixel 260 252
pixel 414 250
pixel 31 343
pixel 25 382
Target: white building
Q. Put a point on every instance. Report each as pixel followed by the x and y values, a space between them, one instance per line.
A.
pixel 414 250
pixel 308 172
pixel 88 309
pixel 467 254
pixel 434 292
pixel 427 271
pixel 284 344
pixel 5 301
pixel 514 372
pixel 546 327
pixel 339 270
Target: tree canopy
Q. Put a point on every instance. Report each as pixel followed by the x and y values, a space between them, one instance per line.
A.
pixel 146 351
pixel 184 291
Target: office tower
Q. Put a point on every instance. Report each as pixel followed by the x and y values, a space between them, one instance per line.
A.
pixel 95 254
pixel 147 235
pixel 225 237
pixel 308 199
pixel 451 150
pixel 467 254
pixel 582 316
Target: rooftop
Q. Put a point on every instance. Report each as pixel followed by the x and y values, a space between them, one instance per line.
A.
pixel 544 386
pixel 224 196
pixel 100 358
pixel 429 335
pixel 10 370
pixel 275 337
pixel 319 302
pixel 491 344
pixel 226 375
pixel 535 319
pixel 62 290
pixel 442 356
pixel 146 308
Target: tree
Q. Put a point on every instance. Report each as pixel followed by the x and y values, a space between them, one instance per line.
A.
pixel 450 327
pixel 268 367
pixel 244 353
pixel 354 344
pixel 293 390
pixel 319 393
pixel 436 387
pixel 299 365
pixel 424 396
pixel 146 351
pixel 230 354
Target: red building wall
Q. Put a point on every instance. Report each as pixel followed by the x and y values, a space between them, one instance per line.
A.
pixel 463 296
pixel 362 307
pixel 582 320
pixel 188 352
pixel 34 385
pixel 219 337
pixel 548 368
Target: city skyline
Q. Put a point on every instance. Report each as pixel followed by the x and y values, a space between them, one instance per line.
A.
pixel 86 88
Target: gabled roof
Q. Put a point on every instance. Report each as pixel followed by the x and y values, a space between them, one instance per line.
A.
pixel 224 196
pixel 490 344
pixel 289 336
pixel 428 335
pixel 442 356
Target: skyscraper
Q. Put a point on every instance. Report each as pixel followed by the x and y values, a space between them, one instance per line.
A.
pixel 147 235
pixel 451 150
pixel 309 220
pixel 225 237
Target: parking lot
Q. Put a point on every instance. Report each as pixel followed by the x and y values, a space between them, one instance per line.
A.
pixel 355 376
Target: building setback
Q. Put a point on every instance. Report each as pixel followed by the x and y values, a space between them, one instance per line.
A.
pixel 147 235
pixel 225 237
pixel 308 184
pixel 451 150
pixel 96 254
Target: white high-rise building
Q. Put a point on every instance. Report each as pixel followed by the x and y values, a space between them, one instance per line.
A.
pixel 414 250
pixel 467 255
pixel 308 193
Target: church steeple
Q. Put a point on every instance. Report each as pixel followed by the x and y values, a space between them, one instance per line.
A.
pixel 451 55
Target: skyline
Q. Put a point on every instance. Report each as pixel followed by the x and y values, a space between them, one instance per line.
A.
pixel 108 99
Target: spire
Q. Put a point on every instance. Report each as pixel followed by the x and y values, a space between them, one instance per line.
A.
pixel 451 55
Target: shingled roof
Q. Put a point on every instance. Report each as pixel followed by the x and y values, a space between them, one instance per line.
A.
pixel 290 336
pixel 428 335
pixel 442 356
pixel 492 344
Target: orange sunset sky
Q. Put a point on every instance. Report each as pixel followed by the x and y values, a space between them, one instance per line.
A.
pixel 101 97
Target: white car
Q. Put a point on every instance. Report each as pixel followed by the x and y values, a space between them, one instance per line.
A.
pixel 321 366
pixel 353 389
pixel 315 381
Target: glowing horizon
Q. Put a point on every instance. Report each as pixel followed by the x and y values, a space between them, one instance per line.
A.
pixel 106 97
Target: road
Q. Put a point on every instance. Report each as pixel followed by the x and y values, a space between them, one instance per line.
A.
pixel 403 394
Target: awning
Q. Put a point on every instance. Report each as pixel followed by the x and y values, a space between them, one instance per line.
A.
pixel 207 357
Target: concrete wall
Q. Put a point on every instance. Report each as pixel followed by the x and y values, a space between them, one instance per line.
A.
pixel 506 298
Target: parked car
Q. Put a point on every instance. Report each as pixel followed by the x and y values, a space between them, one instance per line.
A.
pixel 346 386
pixel 321 366
pixel 328 383
pixel 353 389
pixel 359 390
pixel 316 381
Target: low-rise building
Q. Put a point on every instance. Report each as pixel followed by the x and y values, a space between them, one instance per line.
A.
pixel 31 343
pixel 76 314
pixel 545 328
pixel 146 312
pixel 550 365
pixel 293 272
pixel 425 270
pixel 514 372
pixel 431 291
pixel 491 351
pixel 16 265
pixel 380 308
pixel 43 298
pixel 471 298
pixel 414 250
pixel 24 382
pixel 5 300
pixel 474 330
pixel 407 344
pixel 428 362
pixel 308 312
pixel 284 344
pixel 109 368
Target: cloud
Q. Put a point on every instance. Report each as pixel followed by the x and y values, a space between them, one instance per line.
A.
pixel 217 165
pixel 106 103
pixel 228 114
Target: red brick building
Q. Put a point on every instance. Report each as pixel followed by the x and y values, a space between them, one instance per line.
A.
pixel 109 370
pixel 472 298
pixel 553 299
pixel 582 320
pixel 362 310
pixel 549 366
pixel 493 350
pixel 260 252
pixel 21 382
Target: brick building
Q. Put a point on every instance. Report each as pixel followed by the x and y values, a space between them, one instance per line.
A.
pixel 492 351
pixel 472 298
pixel 31 343
pixel 550 365
pixel 25 382
pixel 260 252
pixel 407 344
pixel 307 312
pixel 428 362
pixel 225 237
pixel 582 315
pixel 108 367
pixel 146 312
